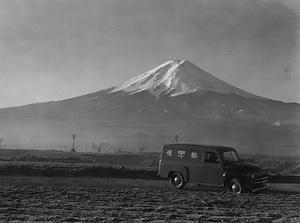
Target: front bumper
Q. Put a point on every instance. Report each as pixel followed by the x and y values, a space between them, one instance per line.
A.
pixel 260 189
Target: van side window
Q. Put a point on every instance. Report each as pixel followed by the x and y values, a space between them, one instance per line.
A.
pixel 211 157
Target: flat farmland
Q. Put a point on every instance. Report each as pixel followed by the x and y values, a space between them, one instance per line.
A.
pixel 67 187
pixel 29 199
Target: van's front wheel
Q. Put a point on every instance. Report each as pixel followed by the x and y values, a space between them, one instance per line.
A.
pixel 177 180
pixel 236 186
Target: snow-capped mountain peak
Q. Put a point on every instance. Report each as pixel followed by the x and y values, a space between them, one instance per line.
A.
pixel 177 77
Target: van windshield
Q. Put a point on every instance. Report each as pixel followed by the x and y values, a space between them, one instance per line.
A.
pixel 230 156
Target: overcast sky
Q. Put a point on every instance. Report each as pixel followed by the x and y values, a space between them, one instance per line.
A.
pixel 58 49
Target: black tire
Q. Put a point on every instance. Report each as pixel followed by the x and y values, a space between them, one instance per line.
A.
pixel 177 180
pixel 235 186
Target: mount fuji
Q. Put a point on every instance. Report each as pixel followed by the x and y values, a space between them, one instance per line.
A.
pixel 177 77
pixel 175 98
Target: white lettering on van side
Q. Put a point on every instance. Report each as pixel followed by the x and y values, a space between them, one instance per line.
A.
pixel 169 152
pixel 194 155
pixel 181 153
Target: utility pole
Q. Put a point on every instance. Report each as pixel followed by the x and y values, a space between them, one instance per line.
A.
pixel 73 137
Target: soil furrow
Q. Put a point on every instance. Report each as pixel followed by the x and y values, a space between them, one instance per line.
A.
pixel 88 204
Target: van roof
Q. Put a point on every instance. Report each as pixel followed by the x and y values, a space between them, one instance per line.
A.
pixel 195 146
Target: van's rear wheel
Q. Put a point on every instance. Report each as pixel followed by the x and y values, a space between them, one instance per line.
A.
pixel 177 180
pixel 235 186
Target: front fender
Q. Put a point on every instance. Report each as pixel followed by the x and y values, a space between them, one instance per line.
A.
pixel 227 177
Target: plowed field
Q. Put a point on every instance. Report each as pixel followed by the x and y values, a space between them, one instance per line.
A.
pixel 49 186
pixel 147 203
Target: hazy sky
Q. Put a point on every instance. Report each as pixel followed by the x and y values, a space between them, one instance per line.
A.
pixel 58 49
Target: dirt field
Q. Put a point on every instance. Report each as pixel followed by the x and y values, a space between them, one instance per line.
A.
pixel 118 200
pixel 66 187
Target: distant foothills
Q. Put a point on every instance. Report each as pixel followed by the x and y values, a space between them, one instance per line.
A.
pixel 174 101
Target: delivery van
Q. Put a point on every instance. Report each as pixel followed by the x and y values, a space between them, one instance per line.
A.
pixel 218 166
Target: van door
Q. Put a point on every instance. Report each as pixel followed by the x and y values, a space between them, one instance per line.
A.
pixel 194 165
pixel 211 172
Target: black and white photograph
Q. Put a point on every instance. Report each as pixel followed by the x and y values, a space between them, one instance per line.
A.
pixel 150 111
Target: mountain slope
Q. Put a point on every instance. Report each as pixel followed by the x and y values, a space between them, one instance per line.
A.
pixel 180 89
pixel 146 111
